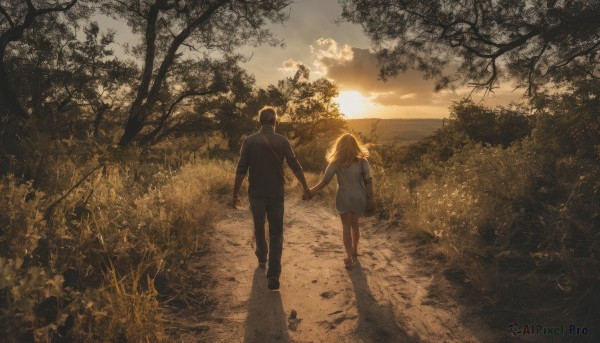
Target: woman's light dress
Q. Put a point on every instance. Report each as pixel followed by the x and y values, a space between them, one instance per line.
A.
pixel 351 194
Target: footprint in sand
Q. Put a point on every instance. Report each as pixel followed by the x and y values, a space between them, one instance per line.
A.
pixel 395 278
pixel 328 294
pixel 331 325
pixel 235 244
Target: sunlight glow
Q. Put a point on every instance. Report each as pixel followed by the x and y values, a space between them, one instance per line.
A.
pixel 352 104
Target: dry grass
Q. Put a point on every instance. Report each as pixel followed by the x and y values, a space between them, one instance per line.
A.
pixel 87 269
pixel 516 220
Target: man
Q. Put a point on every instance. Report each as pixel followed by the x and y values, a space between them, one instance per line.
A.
pixel 263 153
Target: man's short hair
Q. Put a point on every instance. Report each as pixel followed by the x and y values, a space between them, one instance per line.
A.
pixel 267 115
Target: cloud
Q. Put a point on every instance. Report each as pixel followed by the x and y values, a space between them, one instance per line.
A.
pixel 356 68
pixel 329 50
pixel 408 95
pixel 289 67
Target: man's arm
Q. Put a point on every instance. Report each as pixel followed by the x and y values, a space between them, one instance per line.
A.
pixel 293 163
pixel 299 174
pixel 239 179
pixel 240 173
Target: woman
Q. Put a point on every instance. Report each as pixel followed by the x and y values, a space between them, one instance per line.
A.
pixel 348 160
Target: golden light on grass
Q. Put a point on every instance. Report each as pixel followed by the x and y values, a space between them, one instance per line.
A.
pixel 352 104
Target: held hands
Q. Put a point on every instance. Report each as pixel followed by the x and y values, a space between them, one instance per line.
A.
pixel 307 195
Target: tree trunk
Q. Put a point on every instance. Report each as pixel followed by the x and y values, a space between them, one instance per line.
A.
pixel 147 96
pixel 99 117
pixel 134 124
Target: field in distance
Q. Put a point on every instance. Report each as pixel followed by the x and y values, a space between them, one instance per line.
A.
pixel 403 131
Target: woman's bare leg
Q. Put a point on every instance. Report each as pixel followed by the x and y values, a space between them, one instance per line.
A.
pixel 346 233
pixel 355 233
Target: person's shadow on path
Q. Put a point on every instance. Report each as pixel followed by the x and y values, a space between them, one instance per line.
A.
pixel 266 321
pixel 376 323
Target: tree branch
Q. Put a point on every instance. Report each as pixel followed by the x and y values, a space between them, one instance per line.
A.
pixel 180 39
pixel 151 18
pixel 5 14
pixel 534 62
pixel 571 58
pixel 150 136
pixel 131 9
pixel 52 206
pixel 63 8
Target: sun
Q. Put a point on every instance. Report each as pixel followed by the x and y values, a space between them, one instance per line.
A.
pixel 352 104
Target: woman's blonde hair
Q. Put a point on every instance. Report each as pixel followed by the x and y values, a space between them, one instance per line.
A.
pixel 346 150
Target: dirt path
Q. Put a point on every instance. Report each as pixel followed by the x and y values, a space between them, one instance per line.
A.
pixel 388 297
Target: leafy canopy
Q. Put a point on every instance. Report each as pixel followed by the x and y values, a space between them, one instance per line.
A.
pixel 534 42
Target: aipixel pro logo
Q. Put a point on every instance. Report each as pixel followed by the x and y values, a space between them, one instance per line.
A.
pixel 517 329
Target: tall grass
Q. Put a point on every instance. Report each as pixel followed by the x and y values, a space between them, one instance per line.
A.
pixel 87 269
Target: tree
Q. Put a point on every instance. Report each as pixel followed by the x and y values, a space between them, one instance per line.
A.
pixel 32 64
pixel 307 108
pixel 94 77
pixel 500 126
pixel 238 110
pixel 18 16
pixel 67 85
pixel 203 96
pixel 568 123
pixel 482 42
pixel 166 26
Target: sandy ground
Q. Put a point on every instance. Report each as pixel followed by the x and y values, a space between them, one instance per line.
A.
pixel 392 295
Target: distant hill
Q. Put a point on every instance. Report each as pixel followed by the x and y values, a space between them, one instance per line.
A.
pixel 404 131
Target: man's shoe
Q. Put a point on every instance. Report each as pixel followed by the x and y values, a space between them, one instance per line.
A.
pixel 273 283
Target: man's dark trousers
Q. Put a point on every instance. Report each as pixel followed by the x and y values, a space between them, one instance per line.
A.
pixel 272 208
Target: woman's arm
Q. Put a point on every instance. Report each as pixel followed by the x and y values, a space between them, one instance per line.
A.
pixel 319 186
pixel 329 172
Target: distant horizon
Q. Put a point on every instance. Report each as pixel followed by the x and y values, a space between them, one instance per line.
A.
pixel 412 118
pixel 396 130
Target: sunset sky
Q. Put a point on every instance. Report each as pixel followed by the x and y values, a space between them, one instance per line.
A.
pixel 340 52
